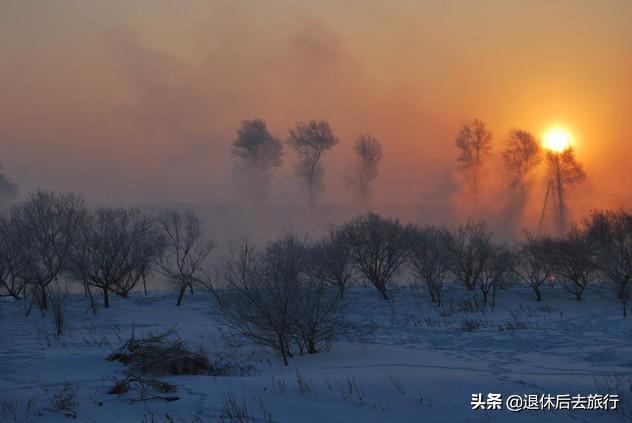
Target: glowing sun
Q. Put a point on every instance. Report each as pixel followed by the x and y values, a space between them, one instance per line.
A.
pixel 557 139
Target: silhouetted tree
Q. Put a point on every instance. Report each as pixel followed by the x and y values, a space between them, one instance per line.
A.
pixel 14 256
pixel 330 260
pixel 610 233
pixel 109 248
pixel 429 258
pixel 365 169
pixel 572 258
pixel 533 263
pixel 495 271
pixel 378 248
pixel 564 171
pixel 522 154
pixel 474 144
pixel 470 248
pixel 185 251
pixel 310 141
pixel 258 154
pixel 50 224
pixel 274 302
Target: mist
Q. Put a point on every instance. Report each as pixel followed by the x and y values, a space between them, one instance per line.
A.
pixel 138 104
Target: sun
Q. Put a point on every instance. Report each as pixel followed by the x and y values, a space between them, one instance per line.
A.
pixel 557 139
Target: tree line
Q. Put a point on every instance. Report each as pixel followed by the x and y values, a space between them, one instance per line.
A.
pixel 258 154
pixel 289 294
pixel 51 236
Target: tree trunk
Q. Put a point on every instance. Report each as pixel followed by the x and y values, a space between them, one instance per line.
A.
pixel 484 296
pixel 180 295
pixel 283 351
pixel 538 295
pixel 44 304
pixel 382 289
pixel 106 298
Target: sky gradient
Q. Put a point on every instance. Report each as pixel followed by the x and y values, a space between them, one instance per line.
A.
pixel 139 101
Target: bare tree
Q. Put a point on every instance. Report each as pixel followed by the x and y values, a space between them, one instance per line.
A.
pixel 183 261
pixel 521 156
pixel 564 172
pixel 258 154
pixel 272 301
pixel 259 303
pixel 330 260
pixel 150 248
pixel 474 143
pixel 109 249
pixel 471 248
pixel 378 248
pixel 50 223
pixel 320 317
pixel 310 141
pixel 533 263
pixel 8 190
pixel 361 174
pixel 14 256
pixel 610 233
pixel 495 271
pixel 429 258
pixel 573 261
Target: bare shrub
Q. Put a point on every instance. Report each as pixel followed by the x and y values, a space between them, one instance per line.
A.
pixel 164 354
pixel 610 233
pixel 273 302
pixel 64 398
pixel 573 263
pixel 533 263
pixel 494 271
pixel 320 319
pixel 429 258
pixel 14 256
pixel 470 249
pixel 330 260
pixel 144 388
pixel 378 248
pixel 50 223
pixel 111 246
pixel 184 259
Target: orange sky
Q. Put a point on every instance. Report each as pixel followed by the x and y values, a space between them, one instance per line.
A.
pixel 139 101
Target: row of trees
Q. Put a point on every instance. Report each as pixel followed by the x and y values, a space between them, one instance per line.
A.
pixel 289 296
pixel 51 236
pixel 258 154
pixel 521 155
pixel 599 248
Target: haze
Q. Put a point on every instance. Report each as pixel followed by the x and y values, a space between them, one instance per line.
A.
pixel 138 101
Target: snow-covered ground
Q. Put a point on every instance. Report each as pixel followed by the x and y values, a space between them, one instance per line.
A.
pixel 407 362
